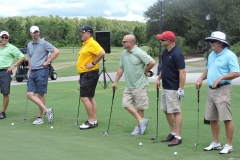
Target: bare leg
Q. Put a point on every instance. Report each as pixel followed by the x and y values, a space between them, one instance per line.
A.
pixel 141 113
pixel 178 123
pixel 5 102
pixel 42 98
pixel 215 127
pixel 134 113
pixel 229 128
pixel 89 108
pixel 171 121
pixel 37 101
pixel 94 108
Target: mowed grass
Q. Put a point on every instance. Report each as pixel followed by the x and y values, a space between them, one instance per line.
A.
pixel 25 141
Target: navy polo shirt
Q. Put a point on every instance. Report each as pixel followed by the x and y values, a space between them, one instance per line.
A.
pixel 171 62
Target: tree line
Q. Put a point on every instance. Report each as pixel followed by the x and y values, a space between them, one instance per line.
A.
pixel 66 31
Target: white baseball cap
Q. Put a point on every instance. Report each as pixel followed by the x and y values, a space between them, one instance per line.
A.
pixel 4 32
pixel 219 36
pixel 34 28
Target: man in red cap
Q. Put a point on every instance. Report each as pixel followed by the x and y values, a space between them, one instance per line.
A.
pixel 173 75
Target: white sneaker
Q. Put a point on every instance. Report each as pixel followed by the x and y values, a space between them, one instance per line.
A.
pixel 38 121
pixel 50 115
pixel 143 126
pixel 213 146
pixel 136 131
pixel 226 149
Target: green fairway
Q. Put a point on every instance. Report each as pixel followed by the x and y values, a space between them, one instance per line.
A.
pixel 24 141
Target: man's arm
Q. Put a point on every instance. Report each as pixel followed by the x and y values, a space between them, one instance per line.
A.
pixel 149 66
pixel 54 55
pixel 182 77
pixel 99 57
pixel 118 76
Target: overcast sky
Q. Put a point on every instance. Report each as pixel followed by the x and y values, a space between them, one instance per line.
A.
pixel 112 9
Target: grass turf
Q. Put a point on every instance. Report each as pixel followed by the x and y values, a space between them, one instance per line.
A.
pixel 66 141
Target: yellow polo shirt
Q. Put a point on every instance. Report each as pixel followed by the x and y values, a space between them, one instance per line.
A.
pixel 88 54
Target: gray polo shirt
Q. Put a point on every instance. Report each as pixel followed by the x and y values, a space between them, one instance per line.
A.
pixel 38 52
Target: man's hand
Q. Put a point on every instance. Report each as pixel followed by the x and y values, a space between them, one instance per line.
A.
pixel 180 93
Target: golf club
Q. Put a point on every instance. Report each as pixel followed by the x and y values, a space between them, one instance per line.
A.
pixel 106 132
pixel 76 123
pixel 196 143
pixel 155 138
pixel 24 119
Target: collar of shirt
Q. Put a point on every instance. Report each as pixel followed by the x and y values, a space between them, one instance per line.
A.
pixel 37 41
pixel 133 49
pixel 85 42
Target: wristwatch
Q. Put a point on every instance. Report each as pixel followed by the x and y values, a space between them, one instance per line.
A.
pixel 93 63
pixel 15 65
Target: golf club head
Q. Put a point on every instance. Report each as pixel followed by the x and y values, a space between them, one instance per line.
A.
pixel 24 120
pixel 105 132
pixel 153 138
pixel 195 145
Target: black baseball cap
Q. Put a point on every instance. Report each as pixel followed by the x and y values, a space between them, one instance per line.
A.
pixel 86 28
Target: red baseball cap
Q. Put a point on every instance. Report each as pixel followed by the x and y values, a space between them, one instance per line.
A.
pixel 168 35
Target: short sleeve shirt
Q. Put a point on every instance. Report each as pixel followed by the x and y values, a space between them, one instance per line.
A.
pixel 221 64
pixel 172 61
pixel 134 64
pixel 38 52
pixel 88 54
pixel 7 55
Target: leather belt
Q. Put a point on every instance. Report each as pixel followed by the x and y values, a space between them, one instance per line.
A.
pixel 33 70
pixel 219 85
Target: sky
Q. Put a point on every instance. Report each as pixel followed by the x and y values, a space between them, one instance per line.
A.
pixel 130 10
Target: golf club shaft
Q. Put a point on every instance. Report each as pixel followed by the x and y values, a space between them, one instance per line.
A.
pixel 157 111
pixel 25 114
pixel 78 108
pixel 111 110
pixel 198 114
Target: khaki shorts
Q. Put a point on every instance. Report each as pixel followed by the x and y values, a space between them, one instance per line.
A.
pixel 218 104
pixel 170 102
pixel 136 96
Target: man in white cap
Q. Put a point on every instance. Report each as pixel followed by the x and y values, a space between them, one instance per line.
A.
pixel 222 67
pixel 38 72
pixel 8 52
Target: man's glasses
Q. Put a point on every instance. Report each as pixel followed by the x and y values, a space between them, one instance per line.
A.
pixel 124 41
pixel 162 40
pixel 212 41
pixel 3 37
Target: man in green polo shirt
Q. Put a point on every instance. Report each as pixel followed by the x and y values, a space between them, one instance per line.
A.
pixel 7 54
pixel 135 64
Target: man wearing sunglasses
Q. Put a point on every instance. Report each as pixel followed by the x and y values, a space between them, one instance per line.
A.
pixel 7 54
pixel 222 67
pixel 173 76
pixel 87 66
pixel 135 64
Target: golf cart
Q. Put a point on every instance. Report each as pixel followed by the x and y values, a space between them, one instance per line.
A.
pixel 22 69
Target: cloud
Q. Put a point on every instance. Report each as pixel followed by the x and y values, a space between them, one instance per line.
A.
pixel 111 9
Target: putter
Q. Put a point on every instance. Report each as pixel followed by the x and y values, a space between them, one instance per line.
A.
pixel 24 119
pixel 106 132
pixel 76 123
pixel 156 137
pixel 196 143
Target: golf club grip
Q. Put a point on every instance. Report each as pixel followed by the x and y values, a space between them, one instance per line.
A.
pixel 198 95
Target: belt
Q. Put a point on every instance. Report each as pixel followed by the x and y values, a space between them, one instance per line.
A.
pixel 33 70
pixel 219 85
pixel 3 69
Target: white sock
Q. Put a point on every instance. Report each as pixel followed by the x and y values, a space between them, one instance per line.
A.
pixel 91 122
pixel 95 122
pixel 178 137
pixel 173 133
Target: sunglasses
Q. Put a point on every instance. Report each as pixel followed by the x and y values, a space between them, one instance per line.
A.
pixel 124 41
pixel 162 40
pixel 4 37
pixel 212 41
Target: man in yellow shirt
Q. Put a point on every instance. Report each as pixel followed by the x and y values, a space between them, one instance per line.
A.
pixel 87 66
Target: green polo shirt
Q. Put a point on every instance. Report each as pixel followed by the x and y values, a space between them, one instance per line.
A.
pixel 7 55
pixel 134 64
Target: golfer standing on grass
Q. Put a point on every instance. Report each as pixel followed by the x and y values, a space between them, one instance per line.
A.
pixel 173 75
pixel 38 72
pixel 222 67
pixel 135 64
pixel 87 66
pixel 7 54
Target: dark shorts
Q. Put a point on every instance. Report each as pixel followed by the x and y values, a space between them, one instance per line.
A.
pixel 88 83
pixel 38 81
pixel 5 81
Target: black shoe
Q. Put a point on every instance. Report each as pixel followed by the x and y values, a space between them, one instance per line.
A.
pixel 88 125
pixel 2 115
pixel 169 138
